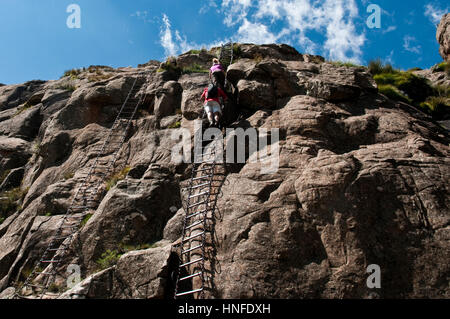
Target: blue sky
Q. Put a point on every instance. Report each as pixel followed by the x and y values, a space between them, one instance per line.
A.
pixel 36 42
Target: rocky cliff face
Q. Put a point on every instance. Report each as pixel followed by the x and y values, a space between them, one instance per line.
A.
pixel 443 37
pixel 362 180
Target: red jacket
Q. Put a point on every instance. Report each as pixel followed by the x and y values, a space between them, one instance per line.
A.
pixel 220 92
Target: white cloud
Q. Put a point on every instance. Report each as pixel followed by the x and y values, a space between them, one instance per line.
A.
pixel 235 11
pixel 166 39
pixel 434 14
pixel 408 44
pixel 255 33
pixel 390 58
pixel 343 43
pixel 253 20
pixel 141 15
pixel 175 43
pixel 207 6
pixel 333 18
pixel 390 29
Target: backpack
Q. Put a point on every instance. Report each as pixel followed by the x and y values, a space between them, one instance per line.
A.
pixel 213 92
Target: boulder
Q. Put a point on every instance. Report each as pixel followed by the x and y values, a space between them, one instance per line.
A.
pixel 96 286
pixel 143 274
pixel 202 59
pixel 434 76
pixel 274 51
pixel 8 114
pixel 11 241
pixel 193 86
pixel 8 293
pixel 168 100
pixel 54 100
pixel 14 152
pixel 443 36
pixel 55 148
pixel 256 95
pixel 96 102
pixel 174 227
pixel 337 84
pixel 37 240
pixel 14 95
pixel 24 124
pixel 130 215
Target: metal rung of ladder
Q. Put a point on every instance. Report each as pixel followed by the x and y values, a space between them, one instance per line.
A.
pixel 200 185
pixel 100 174
pixel 198 204
pixel 35 286
pixel 194 224
pixel 47 273
pixel 191 249
pixel 197 213
pixel 69 227
pixel 199 194
pixel 201 177
pixel 62 237
pixel 50 261
pixel 191 276
pixel 77 218
pixel 194 236
pixel 58 249
pixel 204 169
pixel 192 262
pixel 189 292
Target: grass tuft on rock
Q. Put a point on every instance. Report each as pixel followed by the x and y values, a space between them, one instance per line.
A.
pixel 416 88
pixel 68 87
pixel 170 65
pixel 412 89
pixel 442 67
pixel 115 178
pixel 108 259
pixel 85 219
pixel 436 105
pixel 73 73
pixel 345 64
pixel 175 125
pixel 111 256
pixel 10 201
pixel 194 68
pixel 393 93
pixel 378 67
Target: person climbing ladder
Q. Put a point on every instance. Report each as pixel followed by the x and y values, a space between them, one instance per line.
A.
pixel 217 74
pixel 212 96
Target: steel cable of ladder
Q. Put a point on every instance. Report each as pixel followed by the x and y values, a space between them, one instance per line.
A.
pixel 65 240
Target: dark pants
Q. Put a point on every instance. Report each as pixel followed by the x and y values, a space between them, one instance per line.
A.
pixel 219 79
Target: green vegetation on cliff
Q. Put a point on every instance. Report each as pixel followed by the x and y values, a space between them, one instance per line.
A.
pixel 407 87
pixel 10 201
